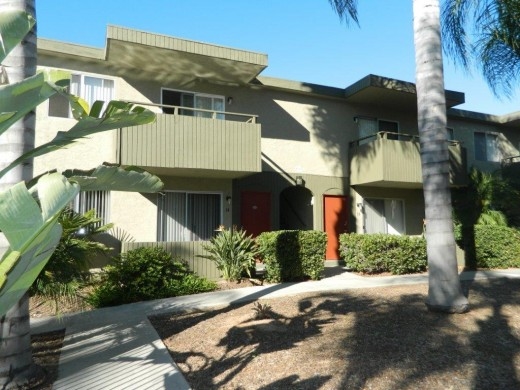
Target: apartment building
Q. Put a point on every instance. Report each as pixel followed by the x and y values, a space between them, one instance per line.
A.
pixel 236 148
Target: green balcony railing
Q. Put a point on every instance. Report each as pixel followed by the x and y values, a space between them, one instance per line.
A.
pixel 393 160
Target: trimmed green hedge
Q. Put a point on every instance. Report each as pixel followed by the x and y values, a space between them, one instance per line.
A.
pixel 292 255
pixel 377 253
pixel 496 246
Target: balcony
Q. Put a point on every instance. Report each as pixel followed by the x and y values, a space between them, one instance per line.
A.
pixel 195 143
pixel 393 160
pixel 511 167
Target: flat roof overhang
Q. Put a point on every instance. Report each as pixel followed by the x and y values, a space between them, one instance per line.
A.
pixel 147 56
pixel 392 93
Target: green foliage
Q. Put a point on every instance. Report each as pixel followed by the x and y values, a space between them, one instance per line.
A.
pixel 262 310
pixel 486 200
pixel 489 199
pixel 67 269
pixel 144 274
pixel 292 255
pixel 495 246
pixel 233 252
pixel 29 213
pixel 376 253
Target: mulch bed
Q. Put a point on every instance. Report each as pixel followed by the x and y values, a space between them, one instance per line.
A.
pixel 380 338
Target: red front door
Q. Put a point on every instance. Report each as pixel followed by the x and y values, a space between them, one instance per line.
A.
pixel 255 212
pixel 335 222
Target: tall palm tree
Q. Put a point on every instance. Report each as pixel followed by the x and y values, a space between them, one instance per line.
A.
pixel 494 42
pixel 444 289
pixel 16 366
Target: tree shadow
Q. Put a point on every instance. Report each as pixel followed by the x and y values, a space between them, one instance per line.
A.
pixel 414 348
pixel 390 341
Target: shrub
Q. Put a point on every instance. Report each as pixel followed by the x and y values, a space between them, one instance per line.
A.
pixel 497 246
pixel 292 255
pixel 66 272
pixel 377 253
pixel 144 274
pixel 233 252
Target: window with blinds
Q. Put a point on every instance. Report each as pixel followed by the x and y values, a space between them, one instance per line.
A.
pixel 188 216
pixel 97 200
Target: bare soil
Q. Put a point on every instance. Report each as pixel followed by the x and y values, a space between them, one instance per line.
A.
pixel 379 338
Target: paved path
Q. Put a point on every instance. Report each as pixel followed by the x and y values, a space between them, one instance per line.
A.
pixel 118 348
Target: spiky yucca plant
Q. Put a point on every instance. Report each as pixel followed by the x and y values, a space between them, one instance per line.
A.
pixel 233 252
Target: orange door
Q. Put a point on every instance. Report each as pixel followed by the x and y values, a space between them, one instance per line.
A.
pixel 255 212
pixel 335 222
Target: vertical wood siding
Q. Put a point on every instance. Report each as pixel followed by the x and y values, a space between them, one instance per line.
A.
pixel 176 141
pixel 384 160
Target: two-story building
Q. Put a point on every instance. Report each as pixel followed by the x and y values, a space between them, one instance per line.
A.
pixel 236 148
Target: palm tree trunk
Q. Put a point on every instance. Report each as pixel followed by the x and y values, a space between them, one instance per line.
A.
pixel 16 367
pixel 444 292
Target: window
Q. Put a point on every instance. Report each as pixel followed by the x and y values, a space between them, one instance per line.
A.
pixel 88 88
pixel 193 100
pixel 188 216
pixel 486 147
pixel 97 200
pixel 384 216
pixel 369 127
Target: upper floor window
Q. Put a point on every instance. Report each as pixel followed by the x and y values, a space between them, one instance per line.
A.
pixel 369 127
pixel 88 88
pixel 486 147
pixel 202 104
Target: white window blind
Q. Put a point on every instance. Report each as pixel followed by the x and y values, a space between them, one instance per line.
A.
pixel 185 216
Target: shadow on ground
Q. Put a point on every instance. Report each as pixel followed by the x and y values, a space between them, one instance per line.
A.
pixel 380 338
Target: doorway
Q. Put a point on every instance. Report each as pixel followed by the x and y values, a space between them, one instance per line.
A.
pixel 255 212
pixel 335 214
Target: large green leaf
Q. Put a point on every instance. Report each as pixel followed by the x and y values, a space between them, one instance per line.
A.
pixel 18 99
pixel 115 178
pixel 32 230
pixel 117 114
pixel 26 266
pixel 14 25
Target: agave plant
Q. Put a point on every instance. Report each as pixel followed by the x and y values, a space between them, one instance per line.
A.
pixel 233 252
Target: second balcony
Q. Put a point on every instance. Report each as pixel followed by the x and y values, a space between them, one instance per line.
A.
pixel 393 160
pixel 194 142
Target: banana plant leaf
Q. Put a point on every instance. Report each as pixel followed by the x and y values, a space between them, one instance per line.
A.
pixel 117 114
pixel 18 99
pixel 114 178
pixel 14 26
pixel 30 225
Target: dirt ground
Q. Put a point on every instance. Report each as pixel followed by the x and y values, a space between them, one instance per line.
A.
pixel 380 338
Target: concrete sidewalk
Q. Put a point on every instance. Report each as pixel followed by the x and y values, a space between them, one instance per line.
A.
pixel 118 348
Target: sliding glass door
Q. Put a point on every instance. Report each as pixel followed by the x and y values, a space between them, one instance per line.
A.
pixel 188 216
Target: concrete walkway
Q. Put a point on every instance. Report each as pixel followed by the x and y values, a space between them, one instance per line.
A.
pixel 118 348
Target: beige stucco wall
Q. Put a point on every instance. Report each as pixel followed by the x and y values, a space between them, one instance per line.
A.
pixel 302 134
pixel 509 141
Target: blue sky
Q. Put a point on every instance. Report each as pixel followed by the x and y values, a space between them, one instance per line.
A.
pixel 304 39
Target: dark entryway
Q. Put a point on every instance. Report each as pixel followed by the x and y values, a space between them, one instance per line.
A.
pixel 296 209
